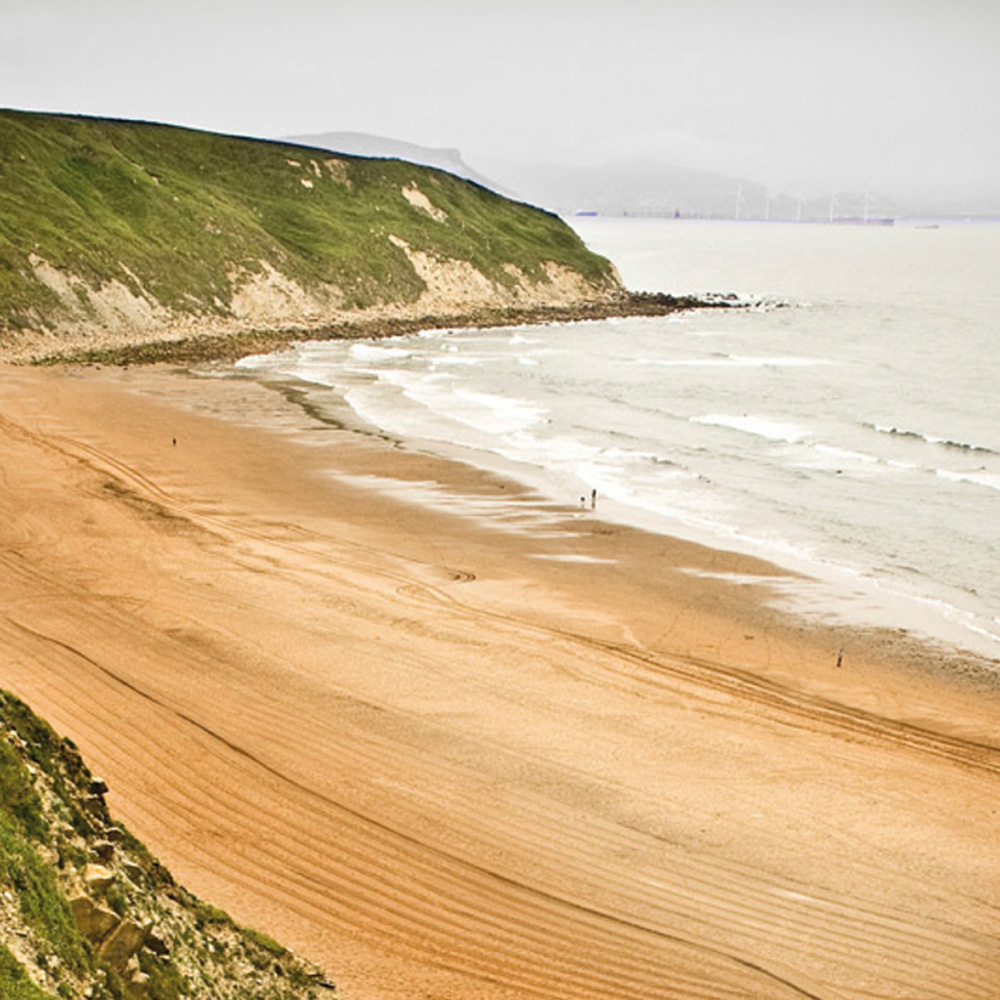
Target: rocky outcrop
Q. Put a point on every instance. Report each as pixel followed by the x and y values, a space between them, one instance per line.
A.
pixel 88 914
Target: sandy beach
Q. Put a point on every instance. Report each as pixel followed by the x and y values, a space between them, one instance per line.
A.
pixel 453 741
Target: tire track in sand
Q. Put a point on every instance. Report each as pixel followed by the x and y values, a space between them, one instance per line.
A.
pixel 504 887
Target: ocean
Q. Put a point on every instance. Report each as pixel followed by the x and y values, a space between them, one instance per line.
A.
pixel 847 425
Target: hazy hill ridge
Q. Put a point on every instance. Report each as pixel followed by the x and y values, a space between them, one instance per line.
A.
pixel 117 233
pixel 365 144
pixel 87 912
pixel 624 187
pixel 618 188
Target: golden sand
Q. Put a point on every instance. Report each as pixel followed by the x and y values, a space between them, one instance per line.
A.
pixel 489 749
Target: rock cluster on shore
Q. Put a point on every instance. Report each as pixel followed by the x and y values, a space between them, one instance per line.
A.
pixel 230 347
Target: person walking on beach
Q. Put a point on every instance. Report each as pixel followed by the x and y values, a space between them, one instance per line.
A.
pixel 593 499
pixel 840 657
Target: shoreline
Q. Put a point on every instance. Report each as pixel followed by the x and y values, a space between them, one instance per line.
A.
pixel 434 753
pixel 769 580
pixel 841 594
pixel 229 344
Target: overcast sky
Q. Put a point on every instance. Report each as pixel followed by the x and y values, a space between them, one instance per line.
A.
pixel 835 93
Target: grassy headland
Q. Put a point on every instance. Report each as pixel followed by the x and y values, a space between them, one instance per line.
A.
pixel 132 229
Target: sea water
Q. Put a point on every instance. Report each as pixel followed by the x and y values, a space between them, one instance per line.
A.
pixel 846 425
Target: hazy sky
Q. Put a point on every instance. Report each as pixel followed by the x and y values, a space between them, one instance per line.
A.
pixel 833 93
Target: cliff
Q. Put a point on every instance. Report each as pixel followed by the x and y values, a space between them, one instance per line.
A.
pixel 120 233
pixel 86 912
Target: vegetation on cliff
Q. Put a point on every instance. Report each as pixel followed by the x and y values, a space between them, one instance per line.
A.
pixel 134 226
pixel 86 912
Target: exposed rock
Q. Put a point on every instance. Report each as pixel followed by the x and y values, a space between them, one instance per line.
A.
pixel 95 805
pixel 418 199
pixel 103 850
pixel 135 980
pixel 93 921
pixel 137 985
pixel 132 871
pixel 156 944
pixel 195 953
pixel 123 942
pixel 98 878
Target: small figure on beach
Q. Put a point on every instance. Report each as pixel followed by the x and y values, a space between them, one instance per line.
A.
pixel 840 657
pixel 593 499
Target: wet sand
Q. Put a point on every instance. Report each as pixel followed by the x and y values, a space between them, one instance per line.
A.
pixel 482 749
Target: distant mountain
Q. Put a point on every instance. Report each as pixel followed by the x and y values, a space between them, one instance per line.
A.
pixel 363 144
pixel 660 189
pixel 611 189
pixel 650 188
pixel 635 188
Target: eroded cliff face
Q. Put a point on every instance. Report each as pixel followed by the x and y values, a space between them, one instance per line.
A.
pixel 121 233
pixel 87 912
pixel 112 315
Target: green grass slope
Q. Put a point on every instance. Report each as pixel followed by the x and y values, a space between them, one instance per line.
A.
pixel 87 914
pixel 175 221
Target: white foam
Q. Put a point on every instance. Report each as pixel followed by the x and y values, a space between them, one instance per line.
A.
pixel 830 456
pixel 496 414
pixel 846 454
pixel 374 352
pixel 290 366
pixel 734 361
pixel 765 427
pixel 936 439
pixel 454 359
pixel 548 452
pixel 441 394
pixel 978 478
pixel 437 334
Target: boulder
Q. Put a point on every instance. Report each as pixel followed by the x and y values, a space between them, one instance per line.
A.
pixel 98 878
pixel 123 942
pixel 132 871
pixel 94 922
pixel 157 945
pixel 96 806
pixel 103 850
pixel 136 980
